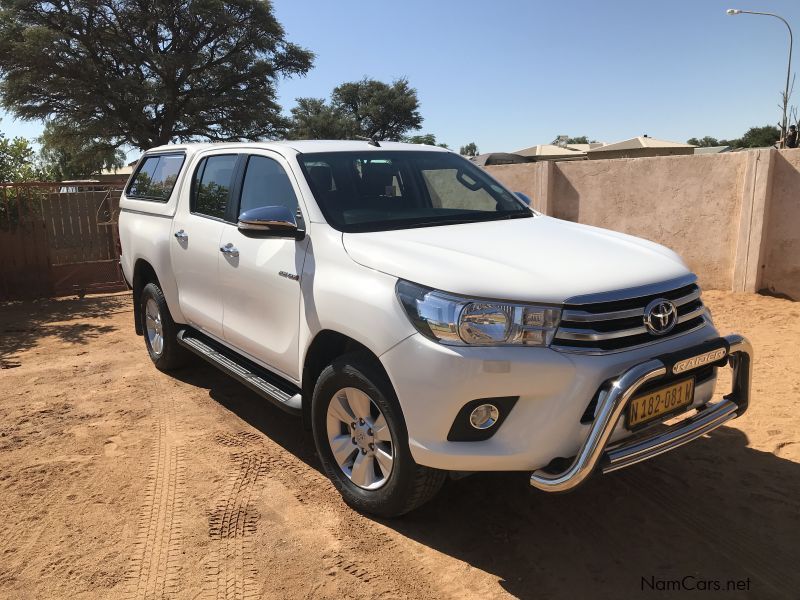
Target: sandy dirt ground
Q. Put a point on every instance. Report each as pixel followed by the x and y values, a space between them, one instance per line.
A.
pixel 117 481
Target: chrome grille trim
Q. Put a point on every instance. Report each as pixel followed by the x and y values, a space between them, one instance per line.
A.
pixel 700 310
pixel 565 333
pixel 584 317
pixel 591 350
pixel 615 323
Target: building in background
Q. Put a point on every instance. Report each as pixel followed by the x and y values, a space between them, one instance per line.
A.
pixel 639 147
pixel 712 149
pixel 551 152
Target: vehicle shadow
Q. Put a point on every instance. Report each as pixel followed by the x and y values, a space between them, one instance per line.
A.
pixel 713 511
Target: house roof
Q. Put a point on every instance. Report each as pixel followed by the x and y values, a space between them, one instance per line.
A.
pixel 640 142
pixel 712 149
pixel 549 150
pixel 586 147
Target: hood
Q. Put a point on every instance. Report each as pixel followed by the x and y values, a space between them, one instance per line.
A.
pixel 540 259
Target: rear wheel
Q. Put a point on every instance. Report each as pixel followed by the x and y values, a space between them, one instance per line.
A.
pixel 362 440
pixel 160 332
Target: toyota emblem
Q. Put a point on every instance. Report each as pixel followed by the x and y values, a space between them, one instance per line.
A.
pixel 660 316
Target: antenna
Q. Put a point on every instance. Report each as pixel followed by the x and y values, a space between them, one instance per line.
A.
pixel 372 140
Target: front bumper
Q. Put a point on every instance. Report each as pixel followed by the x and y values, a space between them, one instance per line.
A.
pixel 598 452
pixel 434 381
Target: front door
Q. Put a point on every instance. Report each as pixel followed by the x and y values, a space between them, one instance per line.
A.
pixel 196 230
pixel 260 284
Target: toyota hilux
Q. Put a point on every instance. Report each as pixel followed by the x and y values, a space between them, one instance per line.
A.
pixel 418 316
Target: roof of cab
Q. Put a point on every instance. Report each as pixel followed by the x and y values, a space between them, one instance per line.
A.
pixel 305 146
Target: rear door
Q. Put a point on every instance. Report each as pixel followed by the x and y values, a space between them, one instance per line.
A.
pixel 196 230
pixel 261 285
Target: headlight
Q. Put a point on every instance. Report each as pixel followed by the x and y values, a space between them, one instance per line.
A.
pixel 460 321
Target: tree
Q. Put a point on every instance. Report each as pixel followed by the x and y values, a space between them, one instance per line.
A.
pixel 67 154
pixel 705 142
pixel 469 150
pixel 363 108
pixel 16 160
pixel 426 138
pixel 313 119
pixel 755 137
pixel 759 137
pixel 147 73
pixel 385 111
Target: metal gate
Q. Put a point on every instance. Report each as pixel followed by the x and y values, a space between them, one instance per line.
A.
pixel 58 239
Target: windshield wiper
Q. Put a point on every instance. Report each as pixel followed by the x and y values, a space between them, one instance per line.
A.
pixel 474 219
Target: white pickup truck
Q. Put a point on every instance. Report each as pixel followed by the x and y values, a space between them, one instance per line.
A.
pixel 421 319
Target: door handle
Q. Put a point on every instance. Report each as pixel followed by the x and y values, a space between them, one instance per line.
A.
pixel 229 250
pixel 181 235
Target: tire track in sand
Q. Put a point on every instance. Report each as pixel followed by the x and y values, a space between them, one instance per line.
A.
pixel 154 566
pixel 231 568
pixel 363 553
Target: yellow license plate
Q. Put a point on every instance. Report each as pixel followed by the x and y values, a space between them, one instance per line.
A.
pixel 662 401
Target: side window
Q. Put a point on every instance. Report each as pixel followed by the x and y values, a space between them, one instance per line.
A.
pixel 266 184
pixel 212 184
pixel 156 177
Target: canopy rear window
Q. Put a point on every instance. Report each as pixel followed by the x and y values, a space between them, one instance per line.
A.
pixel 155 178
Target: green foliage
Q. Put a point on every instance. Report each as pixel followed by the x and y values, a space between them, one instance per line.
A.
pixel 425 138
pixel 469 150
pixel 16 160
pixel 755 137
pixel 67 154
pixel 147 73
pixel 760 137
pixel 379 109
pixel 314 119
pixel 578 140
pixel 706 142
pixel 363 108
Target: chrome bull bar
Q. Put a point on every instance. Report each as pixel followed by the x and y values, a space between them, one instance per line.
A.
pixel 596 452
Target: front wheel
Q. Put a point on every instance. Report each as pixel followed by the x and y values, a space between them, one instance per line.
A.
pixel 160 332
pixel 362 440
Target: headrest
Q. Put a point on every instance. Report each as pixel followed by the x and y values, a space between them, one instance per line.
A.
pixel 376 178
pixel 322 177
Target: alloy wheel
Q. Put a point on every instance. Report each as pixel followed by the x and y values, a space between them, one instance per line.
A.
pixel 154 327
pixel 359 438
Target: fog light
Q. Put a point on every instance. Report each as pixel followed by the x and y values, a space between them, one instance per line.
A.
pixel 484 416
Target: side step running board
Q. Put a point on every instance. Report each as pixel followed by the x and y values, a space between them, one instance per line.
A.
pixel 268 385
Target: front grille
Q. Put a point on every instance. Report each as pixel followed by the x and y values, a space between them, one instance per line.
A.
pixel 615 325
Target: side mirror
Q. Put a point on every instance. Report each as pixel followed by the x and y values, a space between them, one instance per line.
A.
pixel 524 197
pixel 270 221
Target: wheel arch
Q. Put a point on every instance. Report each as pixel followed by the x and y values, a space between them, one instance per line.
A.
pixel 143 273
pixel 327 346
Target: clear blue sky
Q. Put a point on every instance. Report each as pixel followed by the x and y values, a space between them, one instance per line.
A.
pixel 510 74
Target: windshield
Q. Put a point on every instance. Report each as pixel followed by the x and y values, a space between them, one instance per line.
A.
pixel 377 191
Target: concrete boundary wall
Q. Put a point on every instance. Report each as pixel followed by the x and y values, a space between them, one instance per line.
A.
pixel 734 217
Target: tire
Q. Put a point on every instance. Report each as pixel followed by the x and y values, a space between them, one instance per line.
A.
pixel 161 334
pixel 385 491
